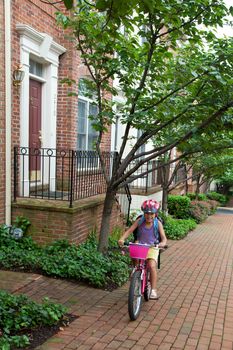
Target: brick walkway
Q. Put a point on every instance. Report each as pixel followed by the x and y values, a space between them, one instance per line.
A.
pixel 195 309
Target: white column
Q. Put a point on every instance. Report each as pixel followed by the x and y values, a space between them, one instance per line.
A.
pixel 8 85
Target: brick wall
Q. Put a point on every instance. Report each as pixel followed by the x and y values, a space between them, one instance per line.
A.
pixel 2 116
pixel 53 220
pixel 41 17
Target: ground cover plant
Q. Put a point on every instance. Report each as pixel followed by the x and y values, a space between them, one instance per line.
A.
pixel 62 259
pixel 222 199
pixel 178 228
pixel 21 317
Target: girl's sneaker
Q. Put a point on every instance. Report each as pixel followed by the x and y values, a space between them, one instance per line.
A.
pixel 154 294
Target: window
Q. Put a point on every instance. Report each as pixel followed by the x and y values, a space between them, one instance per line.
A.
pixel 87 135
pixel 35 68
pixel 143 147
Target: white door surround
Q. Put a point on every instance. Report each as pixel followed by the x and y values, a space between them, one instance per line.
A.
pixel 42 48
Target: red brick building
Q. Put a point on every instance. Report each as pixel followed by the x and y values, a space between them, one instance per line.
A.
pixel 39 114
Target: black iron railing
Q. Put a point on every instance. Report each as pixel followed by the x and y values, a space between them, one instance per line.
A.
pixel 47 173
pixel 124 198
pixel 150 178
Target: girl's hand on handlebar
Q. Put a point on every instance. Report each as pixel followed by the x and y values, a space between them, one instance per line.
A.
pixel 162 245
pixel 121 242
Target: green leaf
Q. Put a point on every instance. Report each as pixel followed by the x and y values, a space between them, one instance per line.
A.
pixel 68 4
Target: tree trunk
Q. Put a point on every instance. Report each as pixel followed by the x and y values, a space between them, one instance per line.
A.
pixel 165 200
pixel 165 180
pixel 105 224
pixel 198 187
pixel 186 181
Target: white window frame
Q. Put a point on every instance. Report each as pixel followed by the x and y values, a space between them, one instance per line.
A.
pixel 88 102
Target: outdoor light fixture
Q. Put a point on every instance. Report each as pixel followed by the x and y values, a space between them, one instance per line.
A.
pixel 18 75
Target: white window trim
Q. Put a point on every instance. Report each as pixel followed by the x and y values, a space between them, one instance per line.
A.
pixel 47 51
pixel 88 101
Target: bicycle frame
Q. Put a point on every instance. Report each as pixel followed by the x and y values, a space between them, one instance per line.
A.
pixel 139 284
pixel 142 266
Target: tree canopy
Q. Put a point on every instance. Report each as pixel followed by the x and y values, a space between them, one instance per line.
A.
pixel 174 74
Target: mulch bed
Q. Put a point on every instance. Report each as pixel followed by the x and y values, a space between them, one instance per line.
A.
pixel 39 335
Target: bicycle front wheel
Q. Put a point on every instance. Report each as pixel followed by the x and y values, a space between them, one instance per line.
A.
pixel 135 296
pixel 147 290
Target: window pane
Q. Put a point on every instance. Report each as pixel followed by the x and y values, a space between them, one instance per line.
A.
pixel 81 144
pixel 35 68
pixel 93 110
pixel 91 142
pixel 87 135
pixel 85 88
pixel 82 127
pixel 143 147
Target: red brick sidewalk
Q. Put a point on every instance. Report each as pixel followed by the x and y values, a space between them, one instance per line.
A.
pixel 195 309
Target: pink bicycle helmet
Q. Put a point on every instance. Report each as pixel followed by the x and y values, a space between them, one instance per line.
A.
pixel 150 206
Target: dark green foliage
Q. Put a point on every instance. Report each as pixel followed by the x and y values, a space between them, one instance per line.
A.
pixel 178 206
pixel 22 222
pixel 18 313
pixel 62 259
pixel 217 197
pixel 200 196
pixel 182 208
pixel 178 228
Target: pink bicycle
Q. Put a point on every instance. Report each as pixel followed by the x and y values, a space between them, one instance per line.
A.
pixel 140 279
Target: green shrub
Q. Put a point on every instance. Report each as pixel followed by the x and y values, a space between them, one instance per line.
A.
pixel 22 222
pixel 199 210
pixel 200 196
pixel 178 228
pixel 116 233
pixel 133 216
pixel 178 206
pixel 213 205
pixel 217 197
pixel 62 259
pixel 19 314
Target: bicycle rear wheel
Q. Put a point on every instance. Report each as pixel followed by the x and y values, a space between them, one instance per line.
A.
pixel 147 290
pixel 135 296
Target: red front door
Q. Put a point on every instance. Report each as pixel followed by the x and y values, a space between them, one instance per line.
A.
pixel 35 88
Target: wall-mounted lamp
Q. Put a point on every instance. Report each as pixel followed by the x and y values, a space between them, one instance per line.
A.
pixel 18 75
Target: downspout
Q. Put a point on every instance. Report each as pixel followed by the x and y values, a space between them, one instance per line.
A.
pixel 7 13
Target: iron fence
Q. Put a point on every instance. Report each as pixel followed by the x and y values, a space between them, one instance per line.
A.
pixel 59 174
pixel 150 178
pixel 124 199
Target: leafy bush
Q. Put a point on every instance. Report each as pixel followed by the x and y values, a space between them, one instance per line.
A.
pixel 133 216
pixel 199 210
pixel 178 228
pixel 62 259
pixel 22 222
pixel 213 205
pixel 200 196
pixel 217 197
pixel 116 233
pixel 19 314
pixel 178 206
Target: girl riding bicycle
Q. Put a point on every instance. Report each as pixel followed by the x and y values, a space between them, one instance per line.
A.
pixel 149 231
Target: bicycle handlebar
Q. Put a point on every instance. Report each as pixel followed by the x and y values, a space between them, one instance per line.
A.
pixel 151 245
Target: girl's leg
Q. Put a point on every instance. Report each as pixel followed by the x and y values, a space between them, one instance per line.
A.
pixel 153 273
